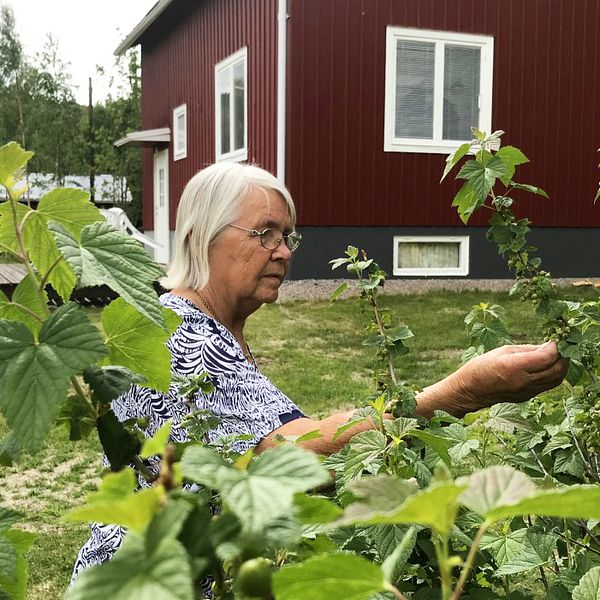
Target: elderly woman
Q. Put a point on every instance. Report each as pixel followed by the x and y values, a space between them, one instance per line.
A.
pixel 234 240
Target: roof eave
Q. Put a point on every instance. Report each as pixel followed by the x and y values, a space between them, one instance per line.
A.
pixel 145 138
pixel 133 37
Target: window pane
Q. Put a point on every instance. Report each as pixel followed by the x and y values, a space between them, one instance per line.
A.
pixel 223 132
pixel 415 63
pixel 181 132
pixel 461 91
pixel 428 255
pixel 239 118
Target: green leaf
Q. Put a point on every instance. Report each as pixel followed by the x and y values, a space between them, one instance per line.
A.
pixel 482 176
pixel 8 559
pixel 454 157
pixel 69 207
pixel 167 523
pixel 354 420
pixel 110 257
pixel 495 488
pixel 8 518
pixel 401 427
pixel 589 586
pixel 339 290
pixel 394 564
pixel 569 462
pixel 334 577
pixel 574 502
pixel 401 333
pixel 108 383
pixel 117 503
pixel 511 157
pixel 136 574
pixel 266 489
pixel 315 434
pixel 138 343
pixel 536 550
pixel 365 448
pixel 13 160
pixel 466 201
pixel 507 417
pixel 15 589
pixel 460 446
pixel 44 254
pixel 389 500
pixel 25 300
pixel 40 245
pixel 35 376
pixel 7 229
pixel 156 444
pixel 504 548
pixel 310 510
pixel 21 540
pixel 79 416
pixel 438 443
pixel 119 444
pixel 528 188
pixel 10 450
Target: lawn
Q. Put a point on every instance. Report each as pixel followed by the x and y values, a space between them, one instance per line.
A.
pixel 311 350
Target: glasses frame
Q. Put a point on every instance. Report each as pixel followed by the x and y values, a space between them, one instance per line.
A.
pixel 292 240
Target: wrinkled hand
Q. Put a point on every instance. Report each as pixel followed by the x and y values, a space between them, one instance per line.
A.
pixel 506 374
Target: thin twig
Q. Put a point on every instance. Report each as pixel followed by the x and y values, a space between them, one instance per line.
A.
pixel 584 526
pixel 469 562
pixel 539 462
pixel 590 468
pixel 571 540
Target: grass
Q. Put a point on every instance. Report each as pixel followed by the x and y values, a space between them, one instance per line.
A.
pixel 311 350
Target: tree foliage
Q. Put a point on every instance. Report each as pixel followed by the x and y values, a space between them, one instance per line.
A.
pixel 38 108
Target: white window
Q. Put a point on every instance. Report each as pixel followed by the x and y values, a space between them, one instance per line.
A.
pixel 437 86
pixel 231 107
pixel 431 255
pixel 180 132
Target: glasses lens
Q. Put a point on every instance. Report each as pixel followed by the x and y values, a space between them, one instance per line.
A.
pixel 271 238
pixel 292 240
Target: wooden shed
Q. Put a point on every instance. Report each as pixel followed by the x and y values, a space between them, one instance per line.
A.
pixel 355 104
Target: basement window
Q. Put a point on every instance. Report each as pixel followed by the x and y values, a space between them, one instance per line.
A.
pixel 442 256
pixel 437 86
pixel 231 102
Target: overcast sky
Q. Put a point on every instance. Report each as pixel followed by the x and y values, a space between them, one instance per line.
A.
pixel 87 32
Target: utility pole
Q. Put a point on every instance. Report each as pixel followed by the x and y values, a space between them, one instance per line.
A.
pixel 92 139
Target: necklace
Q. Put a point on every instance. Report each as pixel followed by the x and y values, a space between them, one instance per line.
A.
pixel 213 313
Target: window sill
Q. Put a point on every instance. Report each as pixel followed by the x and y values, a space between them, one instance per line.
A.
pixel 237 156
pixel 423 148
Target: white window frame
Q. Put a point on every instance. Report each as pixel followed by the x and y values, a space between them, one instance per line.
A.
pixel 228 63
pixel 179 149
pixel 437 145
pixel 463 256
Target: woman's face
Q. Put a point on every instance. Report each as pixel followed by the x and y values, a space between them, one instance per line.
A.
pixel 242 272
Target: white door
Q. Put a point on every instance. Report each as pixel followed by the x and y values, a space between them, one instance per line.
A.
pixel 161 206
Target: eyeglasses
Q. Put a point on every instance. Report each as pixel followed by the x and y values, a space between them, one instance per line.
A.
pixel 270 238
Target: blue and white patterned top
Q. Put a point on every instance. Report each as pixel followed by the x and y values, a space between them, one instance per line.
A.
pixel 244 401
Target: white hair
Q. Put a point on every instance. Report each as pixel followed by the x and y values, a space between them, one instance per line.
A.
pixel 210 201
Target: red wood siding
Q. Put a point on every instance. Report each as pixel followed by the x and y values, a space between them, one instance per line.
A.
pixel 546 96
pixel 179 53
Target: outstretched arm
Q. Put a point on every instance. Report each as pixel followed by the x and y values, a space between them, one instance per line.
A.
pixel 506 374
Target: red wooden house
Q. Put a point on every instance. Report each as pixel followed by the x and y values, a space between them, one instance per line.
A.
pixel 355 105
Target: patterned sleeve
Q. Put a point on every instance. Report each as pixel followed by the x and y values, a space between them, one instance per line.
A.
pixel 244 400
